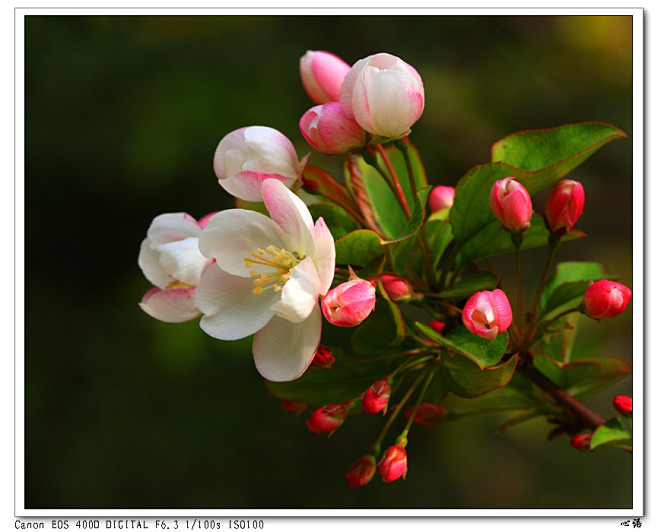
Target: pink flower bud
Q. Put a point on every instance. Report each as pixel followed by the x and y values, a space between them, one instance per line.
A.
pixel 248 156
pixel 436 326
pixel 323 358
pixel 605 299
pixel 376 397
pixel 322 75
pixel 623 404
pixel 487 313
pixel 349 303
pixel 327 419
pixel 441 198
pixel 564 206
pixel 384 94
pixel 329 130
pixel 511 204
pixel 581 442
pixel 397 288
pixel 290 405
pixel 393 464
pixel 361 471
pixel 428 414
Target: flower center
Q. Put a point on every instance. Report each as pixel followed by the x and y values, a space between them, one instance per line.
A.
pixel 277 262
pixel 178 284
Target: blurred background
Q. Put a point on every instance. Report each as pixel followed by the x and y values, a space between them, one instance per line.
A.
pixel 122 117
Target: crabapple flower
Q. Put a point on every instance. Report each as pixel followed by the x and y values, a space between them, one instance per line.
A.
pixel 361 471
pixel 376 397
pixel 511 204
pixel 384 95
pixel 581 442
pixel 329 130
pixel 268 276
pixel 623 404
pixel 327 419
pixel 248 156
pixel 170 259
pixel 323 358
pixel 349 303
pixel 564 206
pixel 441 198
pixel 322 75
pixel 393 464
pixel 605 299
pixel 487 313
pixel 397 288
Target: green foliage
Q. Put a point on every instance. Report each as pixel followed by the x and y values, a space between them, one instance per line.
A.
pixel 337 219
pixel 383 332
pixel 484 353
pixel 613 434
pixel 471 283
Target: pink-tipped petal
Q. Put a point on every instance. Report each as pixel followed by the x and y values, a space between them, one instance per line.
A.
pixel 175 305
pixel 283 350
pixel 290 212
pixel 172 226
pixel 324 254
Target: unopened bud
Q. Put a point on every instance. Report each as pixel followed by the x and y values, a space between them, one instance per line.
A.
pixel 605 299
pixel 581 442
pixel 623 404
pixel 428 414
pixel 323 358
pixel 393 464
pixel 376 397
pixel 361 471
pixel 327 419
pixel 397 288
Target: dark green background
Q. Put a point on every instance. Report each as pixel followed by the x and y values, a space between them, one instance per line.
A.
pixel 122 117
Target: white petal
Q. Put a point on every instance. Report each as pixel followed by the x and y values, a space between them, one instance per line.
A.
pixel 233 235
pixel 290 212
pixel 247 185
pixel 324 255
pixel 300 294
pixel 172 226
pixel 173 306
pixel 149 262
pixel 231 310
pixel 283 350
pixel 182 260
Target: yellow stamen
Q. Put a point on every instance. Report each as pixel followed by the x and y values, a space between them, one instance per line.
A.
pixel 279 259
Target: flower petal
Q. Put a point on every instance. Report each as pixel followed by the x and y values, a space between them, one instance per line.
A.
pixel 172 226
pixel 149 262
pixel 300 294
pixel 290 212
pixel 231 310
pixel 324 254
pixel 172 306
pixel 233 235
pixel 182 260
pixel 283 350
pixel 247 184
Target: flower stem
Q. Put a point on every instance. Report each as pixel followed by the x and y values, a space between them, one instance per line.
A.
pixel 419 400
pixel 396 181
pixel 544 278
pixel 517 239
pixel 370 157
pixel 587 417
pixel 397 409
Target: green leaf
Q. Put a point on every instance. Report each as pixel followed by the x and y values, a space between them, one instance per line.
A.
pixel 346 380
pixel 466 379
pixel 471 283
pixel 439 234
pixel 507 398
pixel 493 240
pixel 568 285
pixel 330 188
pixel 609 370
pixel 565 375
pixel 337 219
pixel 382 332
pixel 538 159
pixel 484 353
pixel 613 433
pixel 376 200
pixel 360 247
pixel 564 146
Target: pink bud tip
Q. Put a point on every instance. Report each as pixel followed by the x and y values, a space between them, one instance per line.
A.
pixel 487 313
pixel 428 414
pixel 376 397
pixel 436 326
pixel 581 442
pixel 510 202
pixel 397 288
pixel 564 206
pixel 323 358
pixel 349 303
pixel 322 74
pixel 605 299
pixel 361 471
pixel 393 464
pixel 327 419
pixel 441 198
pixel 623 404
